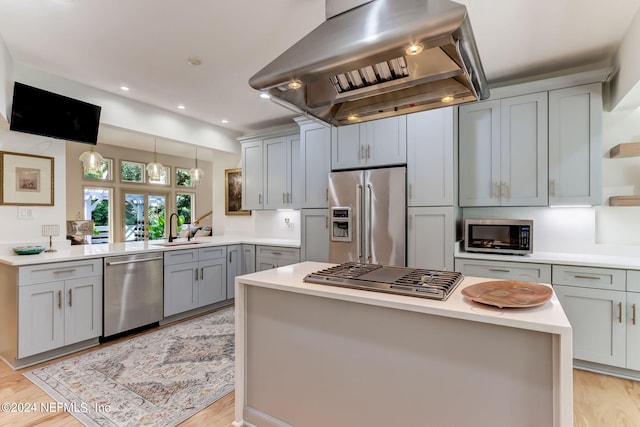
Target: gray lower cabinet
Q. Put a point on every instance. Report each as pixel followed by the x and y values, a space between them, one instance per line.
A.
pixel 59 304
pixel 275 256
pixel 241 259
pixel 314 235
pixel 194 278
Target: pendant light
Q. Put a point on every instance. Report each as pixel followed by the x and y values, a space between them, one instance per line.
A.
pixel 196 172
pixel 91 162
pixel 155 169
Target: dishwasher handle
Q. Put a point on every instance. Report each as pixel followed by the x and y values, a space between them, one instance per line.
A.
pixel 133 261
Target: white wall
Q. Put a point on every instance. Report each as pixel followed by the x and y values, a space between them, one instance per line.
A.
pixel 14 230
pixel 625 86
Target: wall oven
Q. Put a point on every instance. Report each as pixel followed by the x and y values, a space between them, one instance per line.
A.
pixel 506 236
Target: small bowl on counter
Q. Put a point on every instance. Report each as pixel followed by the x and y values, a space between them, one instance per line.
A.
pixel 28 250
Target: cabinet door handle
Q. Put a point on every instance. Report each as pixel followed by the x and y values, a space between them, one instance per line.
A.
pixel 326 222
pixel 70 297
pixel 60 300
pixel 499 270
pixel 282 198
pixel 619 312
pixel 230 256
pixel 553 187
pixel 360 151
pixel 326 194
pixel 276 253
pixel 196 274
pixel 586 277
pixel 368 151
pixel 202 273
pixel 633 315
pixel 64 271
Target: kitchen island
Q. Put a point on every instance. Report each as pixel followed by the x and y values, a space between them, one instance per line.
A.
pixel 312 355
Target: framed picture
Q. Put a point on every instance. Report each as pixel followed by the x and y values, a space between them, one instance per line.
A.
pixel 27 179
pixel 233 193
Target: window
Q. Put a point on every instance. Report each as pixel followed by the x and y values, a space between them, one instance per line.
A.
pixel 103 174
pixel 131 171
pixel 185 206
pixel 183 177
pixel 97 207
pixel 145 216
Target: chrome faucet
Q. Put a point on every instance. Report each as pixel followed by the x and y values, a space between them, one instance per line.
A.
pixel 171 237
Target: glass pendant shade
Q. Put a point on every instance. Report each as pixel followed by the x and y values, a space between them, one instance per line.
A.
pixel 155 168
pixel 91 161
pixel 196 172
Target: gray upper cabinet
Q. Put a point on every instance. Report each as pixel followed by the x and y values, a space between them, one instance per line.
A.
pixel 430 154
pixel 270 168
pixel 575 129
pixel 252 175
pixel 315 164
pixel 376 143
pixel 503 152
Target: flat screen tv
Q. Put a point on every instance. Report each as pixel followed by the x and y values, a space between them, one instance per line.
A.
pixel 40 112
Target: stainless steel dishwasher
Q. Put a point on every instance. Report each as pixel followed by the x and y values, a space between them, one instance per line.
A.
pixel 133 292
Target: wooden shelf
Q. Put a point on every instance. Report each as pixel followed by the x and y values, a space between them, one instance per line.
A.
pixel 624 201
pixel 628 149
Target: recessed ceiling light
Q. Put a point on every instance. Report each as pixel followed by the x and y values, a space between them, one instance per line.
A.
pixel 124 88
pixel 181 107
pixel 265 95
pixel 414 49
pixel 224 121
pixel 295 84
pixel 194 61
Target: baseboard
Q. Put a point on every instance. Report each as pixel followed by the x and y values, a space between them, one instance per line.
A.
pixel 615 371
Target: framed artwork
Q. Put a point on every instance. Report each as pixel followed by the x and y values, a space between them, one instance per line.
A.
pixel 27 179
pixel 233 193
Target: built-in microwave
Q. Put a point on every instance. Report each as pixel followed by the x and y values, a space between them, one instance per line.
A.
pixel 506 236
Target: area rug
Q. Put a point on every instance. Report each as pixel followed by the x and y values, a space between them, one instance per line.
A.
pixel 157 379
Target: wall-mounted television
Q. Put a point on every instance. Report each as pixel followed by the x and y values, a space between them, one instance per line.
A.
pixel 41 112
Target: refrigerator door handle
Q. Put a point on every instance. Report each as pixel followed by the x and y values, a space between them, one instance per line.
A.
pixel 358 228
pixel 368 221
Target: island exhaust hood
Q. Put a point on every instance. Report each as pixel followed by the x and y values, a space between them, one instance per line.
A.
pixel 379 59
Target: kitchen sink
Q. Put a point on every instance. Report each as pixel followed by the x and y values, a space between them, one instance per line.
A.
pixel 177 243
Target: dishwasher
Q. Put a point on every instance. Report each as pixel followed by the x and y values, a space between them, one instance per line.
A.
pixel 133 292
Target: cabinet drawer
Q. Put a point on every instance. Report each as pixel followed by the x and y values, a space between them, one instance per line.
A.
pixel 278 252
pixel 212 252
pixel 180 257
pixel 589 277
pixel 525 271
pixel 266 263
pixel 59 271
pixel 633 280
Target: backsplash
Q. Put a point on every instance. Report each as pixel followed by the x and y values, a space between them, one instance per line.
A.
pixel 281 224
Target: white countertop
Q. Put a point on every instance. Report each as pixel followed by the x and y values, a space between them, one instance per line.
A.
pixel 548 317
pixel 76 252
pixel 565 258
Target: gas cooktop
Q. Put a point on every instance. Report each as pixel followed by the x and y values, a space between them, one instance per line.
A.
pixel 416 282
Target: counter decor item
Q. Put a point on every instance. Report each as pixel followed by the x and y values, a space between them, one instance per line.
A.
pixel 50 231
pixel 233 193
pixel 28 250
pixel 508 293
pixel 27 179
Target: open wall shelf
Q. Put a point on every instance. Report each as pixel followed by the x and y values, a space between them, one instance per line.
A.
pixel 628 149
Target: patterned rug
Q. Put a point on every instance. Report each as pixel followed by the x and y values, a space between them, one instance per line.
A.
pixel 157 379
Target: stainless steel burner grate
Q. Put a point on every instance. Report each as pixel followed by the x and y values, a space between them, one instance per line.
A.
pixel 417 282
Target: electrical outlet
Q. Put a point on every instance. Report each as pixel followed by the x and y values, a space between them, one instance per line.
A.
pixel 290 225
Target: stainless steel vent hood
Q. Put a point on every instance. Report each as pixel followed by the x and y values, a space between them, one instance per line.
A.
pixel 380 59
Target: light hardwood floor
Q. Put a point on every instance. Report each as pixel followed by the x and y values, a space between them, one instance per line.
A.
pixel 599 401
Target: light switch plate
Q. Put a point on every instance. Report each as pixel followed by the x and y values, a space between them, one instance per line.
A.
pixel 25 212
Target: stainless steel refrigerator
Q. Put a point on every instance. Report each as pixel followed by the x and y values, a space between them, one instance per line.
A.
pixel 368 216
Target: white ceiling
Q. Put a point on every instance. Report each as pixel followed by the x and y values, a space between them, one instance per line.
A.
pixel 145 44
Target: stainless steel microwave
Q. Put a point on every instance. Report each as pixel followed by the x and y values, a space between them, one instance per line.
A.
pixel 506 236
